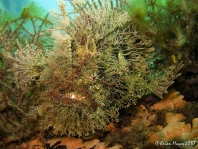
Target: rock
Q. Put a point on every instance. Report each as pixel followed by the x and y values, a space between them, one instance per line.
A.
pixel 195 123
pixel 32 144
pixel 143 116
pixel 172 100
pixel 90 144
pixel 172 118
pixel 69 142
pixel 100 145
pixel 111 127
pixel 171 132
pixel 117 146
pixel 191 135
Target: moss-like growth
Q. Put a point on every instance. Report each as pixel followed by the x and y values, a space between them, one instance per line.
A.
pixel 189 111
pixel 135 137
pixel 18 117
pixel 171 24
pixel 99 63
pixel 160 118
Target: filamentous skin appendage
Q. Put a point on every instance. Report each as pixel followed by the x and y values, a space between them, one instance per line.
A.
pixel 98 65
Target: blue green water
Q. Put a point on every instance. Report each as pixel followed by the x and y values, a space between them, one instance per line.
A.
pixel 15 7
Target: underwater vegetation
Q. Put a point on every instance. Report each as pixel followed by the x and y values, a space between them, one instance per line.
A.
pixel 29 27
pixel 172 25
pixel 72 72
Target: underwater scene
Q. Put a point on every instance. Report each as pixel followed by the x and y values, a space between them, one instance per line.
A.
pixel 99 74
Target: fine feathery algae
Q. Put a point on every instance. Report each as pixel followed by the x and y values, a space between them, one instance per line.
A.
pixel 98 63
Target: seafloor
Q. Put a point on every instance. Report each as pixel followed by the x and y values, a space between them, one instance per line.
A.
pixel 159 124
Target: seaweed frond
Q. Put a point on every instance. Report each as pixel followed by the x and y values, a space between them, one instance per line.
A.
pixel 28 26
pixel 27 64
pixel 160 84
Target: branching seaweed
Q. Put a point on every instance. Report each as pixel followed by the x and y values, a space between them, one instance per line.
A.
pixel 98 64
